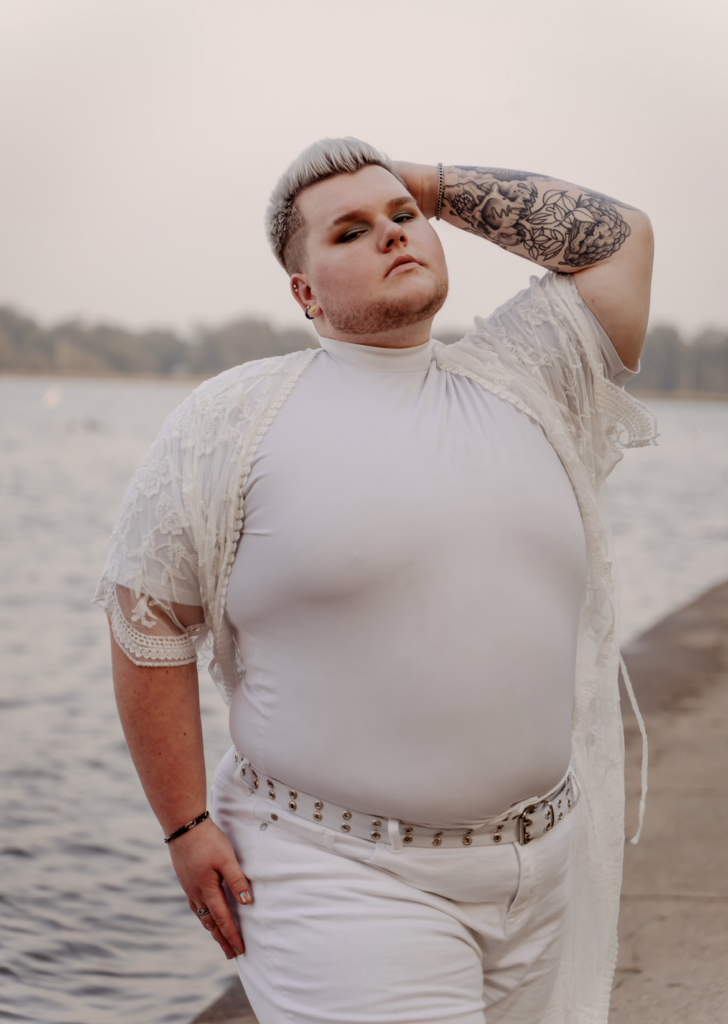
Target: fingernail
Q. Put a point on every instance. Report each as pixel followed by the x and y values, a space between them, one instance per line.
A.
pixel 238 951
pixel 246 896
pixel 229 956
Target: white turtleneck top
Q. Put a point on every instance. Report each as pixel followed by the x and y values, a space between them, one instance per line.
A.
pixel 406 592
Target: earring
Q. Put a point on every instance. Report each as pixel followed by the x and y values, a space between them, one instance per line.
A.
pixel 310 311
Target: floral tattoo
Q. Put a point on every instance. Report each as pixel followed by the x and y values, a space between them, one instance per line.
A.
pixel 508 208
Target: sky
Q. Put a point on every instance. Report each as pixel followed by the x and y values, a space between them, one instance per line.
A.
pixel 140 139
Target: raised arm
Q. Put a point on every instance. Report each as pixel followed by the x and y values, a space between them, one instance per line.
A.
pixel 605 243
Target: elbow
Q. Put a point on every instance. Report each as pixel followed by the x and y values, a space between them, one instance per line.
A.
pixel 642 235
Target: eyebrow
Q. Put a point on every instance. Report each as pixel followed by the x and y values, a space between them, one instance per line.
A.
pixel 362 214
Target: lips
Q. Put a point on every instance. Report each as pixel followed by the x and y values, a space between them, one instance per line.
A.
pixel 402 261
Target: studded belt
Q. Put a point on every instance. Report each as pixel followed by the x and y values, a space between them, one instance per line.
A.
pixel 521 826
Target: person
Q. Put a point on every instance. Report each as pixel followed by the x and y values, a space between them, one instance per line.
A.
pixel 397 553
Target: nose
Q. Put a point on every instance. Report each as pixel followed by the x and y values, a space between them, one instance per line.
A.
pixel 394 235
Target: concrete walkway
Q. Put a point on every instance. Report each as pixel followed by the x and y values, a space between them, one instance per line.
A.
pixel 673 960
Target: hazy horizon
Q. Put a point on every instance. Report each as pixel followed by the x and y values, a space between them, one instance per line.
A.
pixel 142 139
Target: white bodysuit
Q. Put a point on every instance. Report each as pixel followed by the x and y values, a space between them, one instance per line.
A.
pixel 406 592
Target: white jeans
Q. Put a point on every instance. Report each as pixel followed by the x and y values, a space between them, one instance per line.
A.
pixel 343 931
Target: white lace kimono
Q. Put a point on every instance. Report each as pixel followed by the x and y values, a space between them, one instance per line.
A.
pixel 175 539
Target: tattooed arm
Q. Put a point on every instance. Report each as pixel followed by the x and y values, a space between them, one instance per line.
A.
pixel 606 244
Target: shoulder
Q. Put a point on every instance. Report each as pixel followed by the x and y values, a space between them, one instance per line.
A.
pixel 545 300
pixel 546 322
pixel 257 369
pixel 230 387
pixel 232 401
pixel 525 327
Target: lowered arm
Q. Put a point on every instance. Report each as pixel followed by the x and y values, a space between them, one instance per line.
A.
pixel 160 713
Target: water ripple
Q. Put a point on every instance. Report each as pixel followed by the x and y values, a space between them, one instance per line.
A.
pixel 94 928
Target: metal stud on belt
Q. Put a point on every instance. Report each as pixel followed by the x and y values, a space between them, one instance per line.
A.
pixel 536 819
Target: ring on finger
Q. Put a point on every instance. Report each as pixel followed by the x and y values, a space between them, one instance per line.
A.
pixel 202 912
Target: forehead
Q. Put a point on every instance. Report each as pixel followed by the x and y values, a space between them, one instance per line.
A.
pixel 370 188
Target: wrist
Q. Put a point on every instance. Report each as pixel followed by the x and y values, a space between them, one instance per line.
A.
pixel 187 826
pixel 429 189
pixel 422 181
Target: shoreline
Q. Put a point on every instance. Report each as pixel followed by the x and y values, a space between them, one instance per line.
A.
pixel 673 925
pixel 680 396
pixel 184 378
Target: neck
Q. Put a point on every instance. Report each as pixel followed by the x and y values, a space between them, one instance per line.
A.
pixel 399 337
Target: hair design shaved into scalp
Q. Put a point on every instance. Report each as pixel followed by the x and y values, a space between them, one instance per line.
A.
pixel 323 159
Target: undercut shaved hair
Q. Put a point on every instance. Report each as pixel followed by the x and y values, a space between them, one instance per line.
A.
pixel 323 159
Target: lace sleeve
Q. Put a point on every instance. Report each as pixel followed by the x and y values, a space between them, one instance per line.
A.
pixel 151 569
pixel 146 633
pixel 545 335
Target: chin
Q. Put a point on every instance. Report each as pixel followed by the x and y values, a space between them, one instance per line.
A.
pixel 388 312
pixel 426 298
pixel 415 292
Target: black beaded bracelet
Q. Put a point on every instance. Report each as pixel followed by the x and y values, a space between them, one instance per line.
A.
pixel 440 190
pixel 187 827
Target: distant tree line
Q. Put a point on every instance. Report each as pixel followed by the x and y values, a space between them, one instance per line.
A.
pixel 669 363
pixel 73 348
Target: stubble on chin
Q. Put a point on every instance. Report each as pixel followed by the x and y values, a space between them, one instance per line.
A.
pixel 385 315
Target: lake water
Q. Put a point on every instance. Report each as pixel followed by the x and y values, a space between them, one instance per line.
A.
pixel 94 928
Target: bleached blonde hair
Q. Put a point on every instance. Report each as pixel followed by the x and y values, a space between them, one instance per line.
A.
pixel 326 158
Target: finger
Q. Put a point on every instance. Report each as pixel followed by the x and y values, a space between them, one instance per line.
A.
pixel 219 907
pixel 242 892
pixel 222 921
pixel 229 951
pixel 206 920
pixel 237 883
pixel 209 924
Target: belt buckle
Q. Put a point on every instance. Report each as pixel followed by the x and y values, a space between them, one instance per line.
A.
pixel 525 821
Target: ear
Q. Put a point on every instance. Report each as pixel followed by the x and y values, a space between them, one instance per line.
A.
pixel 302 292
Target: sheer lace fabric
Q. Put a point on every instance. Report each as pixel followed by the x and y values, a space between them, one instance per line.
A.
pixel 147 634
pixel 178 526
pixel 175 539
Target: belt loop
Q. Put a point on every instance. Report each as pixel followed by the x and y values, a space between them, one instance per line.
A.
pixel 395 836
pixel 326 838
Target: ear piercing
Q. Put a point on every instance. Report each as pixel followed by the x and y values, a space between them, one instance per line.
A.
pixel 310 312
